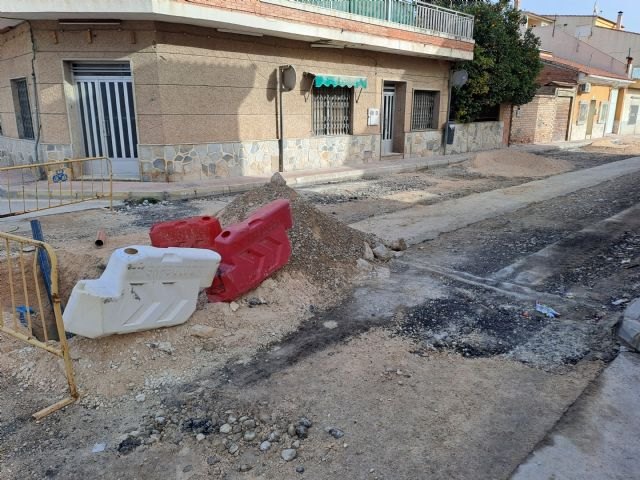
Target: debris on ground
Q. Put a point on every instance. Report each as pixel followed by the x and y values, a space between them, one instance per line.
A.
pixel 546 310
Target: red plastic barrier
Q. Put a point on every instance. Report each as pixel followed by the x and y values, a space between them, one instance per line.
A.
pixel 251 251
pixel 195 232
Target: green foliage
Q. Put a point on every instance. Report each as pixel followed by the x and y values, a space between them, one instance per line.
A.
pixel 506 60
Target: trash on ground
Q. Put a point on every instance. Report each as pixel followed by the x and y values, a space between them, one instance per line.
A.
pixel 142 288
pixel 99 447
pixel 546 310
pixel 101 238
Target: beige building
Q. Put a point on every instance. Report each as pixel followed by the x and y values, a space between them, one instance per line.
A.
pixel 180 90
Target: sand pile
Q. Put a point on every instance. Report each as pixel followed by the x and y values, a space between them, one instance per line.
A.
pixel 510 163
pixel 323 248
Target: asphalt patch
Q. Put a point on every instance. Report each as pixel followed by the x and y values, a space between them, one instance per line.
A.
pixel 471 328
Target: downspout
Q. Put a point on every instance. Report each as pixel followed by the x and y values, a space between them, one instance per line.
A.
pixel 36 103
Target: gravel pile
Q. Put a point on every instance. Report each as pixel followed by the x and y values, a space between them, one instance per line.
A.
pixel 323 248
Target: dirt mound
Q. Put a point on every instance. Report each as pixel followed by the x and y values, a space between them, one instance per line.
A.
pixel 510 163
pixel 323 248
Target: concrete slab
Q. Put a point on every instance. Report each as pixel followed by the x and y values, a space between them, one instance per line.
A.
pixel 598 436
pixel 425 222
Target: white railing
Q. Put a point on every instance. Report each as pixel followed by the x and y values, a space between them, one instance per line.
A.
pixel 419 14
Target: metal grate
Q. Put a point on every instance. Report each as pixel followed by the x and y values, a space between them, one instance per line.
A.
pixel 23 109
pixel 332 110
pixel 101 69
pixel 424 106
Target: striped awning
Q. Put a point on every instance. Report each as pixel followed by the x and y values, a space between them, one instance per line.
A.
pixel 329 80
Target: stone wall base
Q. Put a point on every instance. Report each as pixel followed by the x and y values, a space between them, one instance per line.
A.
pixel 15 151
pixel 256 158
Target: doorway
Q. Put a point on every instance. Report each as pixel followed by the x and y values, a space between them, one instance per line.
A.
pixel 592 116
pixel 388 118
pixel 106 108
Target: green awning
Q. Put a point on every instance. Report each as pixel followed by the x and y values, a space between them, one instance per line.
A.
pixel 327 80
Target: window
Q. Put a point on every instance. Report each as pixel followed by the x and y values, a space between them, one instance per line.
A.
pixel 604 112
pixel 582 113
pixel 633 114
pixel 331 110
pixel 22 108
pixel 425 113
pixel 635 73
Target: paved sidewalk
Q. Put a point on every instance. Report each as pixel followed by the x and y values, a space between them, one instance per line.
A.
pixel 219 186
pixel 598 436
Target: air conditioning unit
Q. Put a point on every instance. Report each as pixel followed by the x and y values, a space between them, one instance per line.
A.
pixel 585 87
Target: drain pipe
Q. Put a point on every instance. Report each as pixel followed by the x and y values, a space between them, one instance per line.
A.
pixel 36 102
pixel 281 123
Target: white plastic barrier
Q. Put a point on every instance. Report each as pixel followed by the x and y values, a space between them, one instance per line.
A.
pixel 142 288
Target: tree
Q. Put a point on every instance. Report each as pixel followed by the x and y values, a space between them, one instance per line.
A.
pixel 506 59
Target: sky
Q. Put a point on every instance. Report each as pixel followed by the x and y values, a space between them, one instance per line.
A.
pixel 608 9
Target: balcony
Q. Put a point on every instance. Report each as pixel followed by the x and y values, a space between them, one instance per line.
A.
pixel 418 15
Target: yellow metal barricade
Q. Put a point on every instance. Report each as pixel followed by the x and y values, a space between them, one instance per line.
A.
pixel 30 305
pixel 40 186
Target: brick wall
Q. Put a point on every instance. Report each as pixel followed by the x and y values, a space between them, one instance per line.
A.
pixel 297 15
pixel 545 121
pixel 556 73
pixel 524 121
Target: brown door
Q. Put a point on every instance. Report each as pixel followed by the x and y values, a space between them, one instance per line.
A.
pixel 561 124
pixel 592 116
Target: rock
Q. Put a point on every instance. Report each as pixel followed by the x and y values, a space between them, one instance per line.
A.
pixel 234 306
pixel 299 469
pixel 383 253
pixel 291 430
pixel 362 264
pixel 212 460
pixel 200 437
pixel 288 454
pixel 233 448
pixel 256 301
pixel 141 397
pixel 301 431
pixel 160 420
pixel 166 347
pixel 278 180
pixel 305 422
pixel 245 467
pixel 274 436
pixel 202 331
pixel 249 424
pixel 187 468
pixel 232 419
pixel 398 245
pixel 368 253
pixel 249 435
pixel 264 446
pixel 296 444
pixel 335 432
pixel 226 428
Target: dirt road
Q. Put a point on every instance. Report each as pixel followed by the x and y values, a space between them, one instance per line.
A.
pixel 434 365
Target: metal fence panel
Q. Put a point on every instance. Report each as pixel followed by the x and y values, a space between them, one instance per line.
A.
pixel 34 187
pixel 27 313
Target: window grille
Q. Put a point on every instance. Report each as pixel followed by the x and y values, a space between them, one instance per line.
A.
pixel 22 108
pixel 424 110
pixel 332 110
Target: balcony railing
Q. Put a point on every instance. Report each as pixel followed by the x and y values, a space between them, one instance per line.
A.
pixel 419 14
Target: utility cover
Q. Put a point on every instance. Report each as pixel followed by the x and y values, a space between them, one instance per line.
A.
pixel 328 80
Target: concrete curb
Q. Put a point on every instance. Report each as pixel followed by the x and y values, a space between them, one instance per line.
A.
pixel 629 330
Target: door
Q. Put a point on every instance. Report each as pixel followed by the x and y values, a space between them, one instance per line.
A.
pixel 561 124
pixel 388 109
pixel 591 117
pixel 107 115
pixel 613 101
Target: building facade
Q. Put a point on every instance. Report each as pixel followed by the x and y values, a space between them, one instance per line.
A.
pixel 182 90
pixel 574 102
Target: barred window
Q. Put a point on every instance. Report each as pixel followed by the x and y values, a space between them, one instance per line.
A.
pixel 22 108
pixel 332 110
pixel 604 112
pixel 424 115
